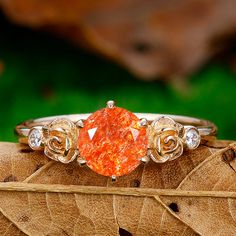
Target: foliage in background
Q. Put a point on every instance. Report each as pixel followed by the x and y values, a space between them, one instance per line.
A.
pixel 150 38
pixel 44 75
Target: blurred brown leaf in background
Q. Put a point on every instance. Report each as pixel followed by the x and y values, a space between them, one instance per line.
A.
pixel 152 39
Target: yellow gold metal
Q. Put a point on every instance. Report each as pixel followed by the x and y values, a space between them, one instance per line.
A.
pixel 168 135
pixel 205 127
pixel 60 140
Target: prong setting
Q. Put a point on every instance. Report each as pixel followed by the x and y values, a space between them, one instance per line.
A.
pixel 111 104
pixel 80 123
pixel 145 159
pixel 81 162
pixel 143 122
pixel 113 178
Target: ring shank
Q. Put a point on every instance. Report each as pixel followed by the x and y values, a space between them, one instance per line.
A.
pixel 205 127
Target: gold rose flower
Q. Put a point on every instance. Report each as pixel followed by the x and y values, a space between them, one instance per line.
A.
pixel 165 139
pixel 60 140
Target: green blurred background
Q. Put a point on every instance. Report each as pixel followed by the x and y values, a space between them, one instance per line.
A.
pixel 44 75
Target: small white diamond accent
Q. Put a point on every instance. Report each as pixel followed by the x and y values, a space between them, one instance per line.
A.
pixel 193 138
pixel 35 139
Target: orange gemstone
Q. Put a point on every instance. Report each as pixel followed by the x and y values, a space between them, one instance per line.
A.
pixel 112 141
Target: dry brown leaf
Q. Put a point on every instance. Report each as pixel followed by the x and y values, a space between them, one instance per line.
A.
pixel 210 216
pixel 151 38
pixel 59 210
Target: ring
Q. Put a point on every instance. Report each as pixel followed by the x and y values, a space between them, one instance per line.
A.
pixel 114 141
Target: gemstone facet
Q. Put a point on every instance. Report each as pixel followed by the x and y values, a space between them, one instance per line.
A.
pixel 35 139
pixel 193 138
pixel 112 141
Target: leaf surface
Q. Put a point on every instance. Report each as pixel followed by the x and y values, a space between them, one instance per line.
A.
pixel 53 212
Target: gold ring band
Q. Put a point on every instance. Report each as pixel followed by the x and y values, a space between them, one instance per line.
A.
pixel 205 127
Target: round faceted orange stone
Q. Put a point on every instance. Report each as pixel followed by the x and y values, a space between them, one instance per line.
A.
pixel 112 141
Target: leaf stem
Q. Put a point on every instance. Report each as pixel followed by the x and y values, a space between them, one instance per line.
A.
pixel 140 192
